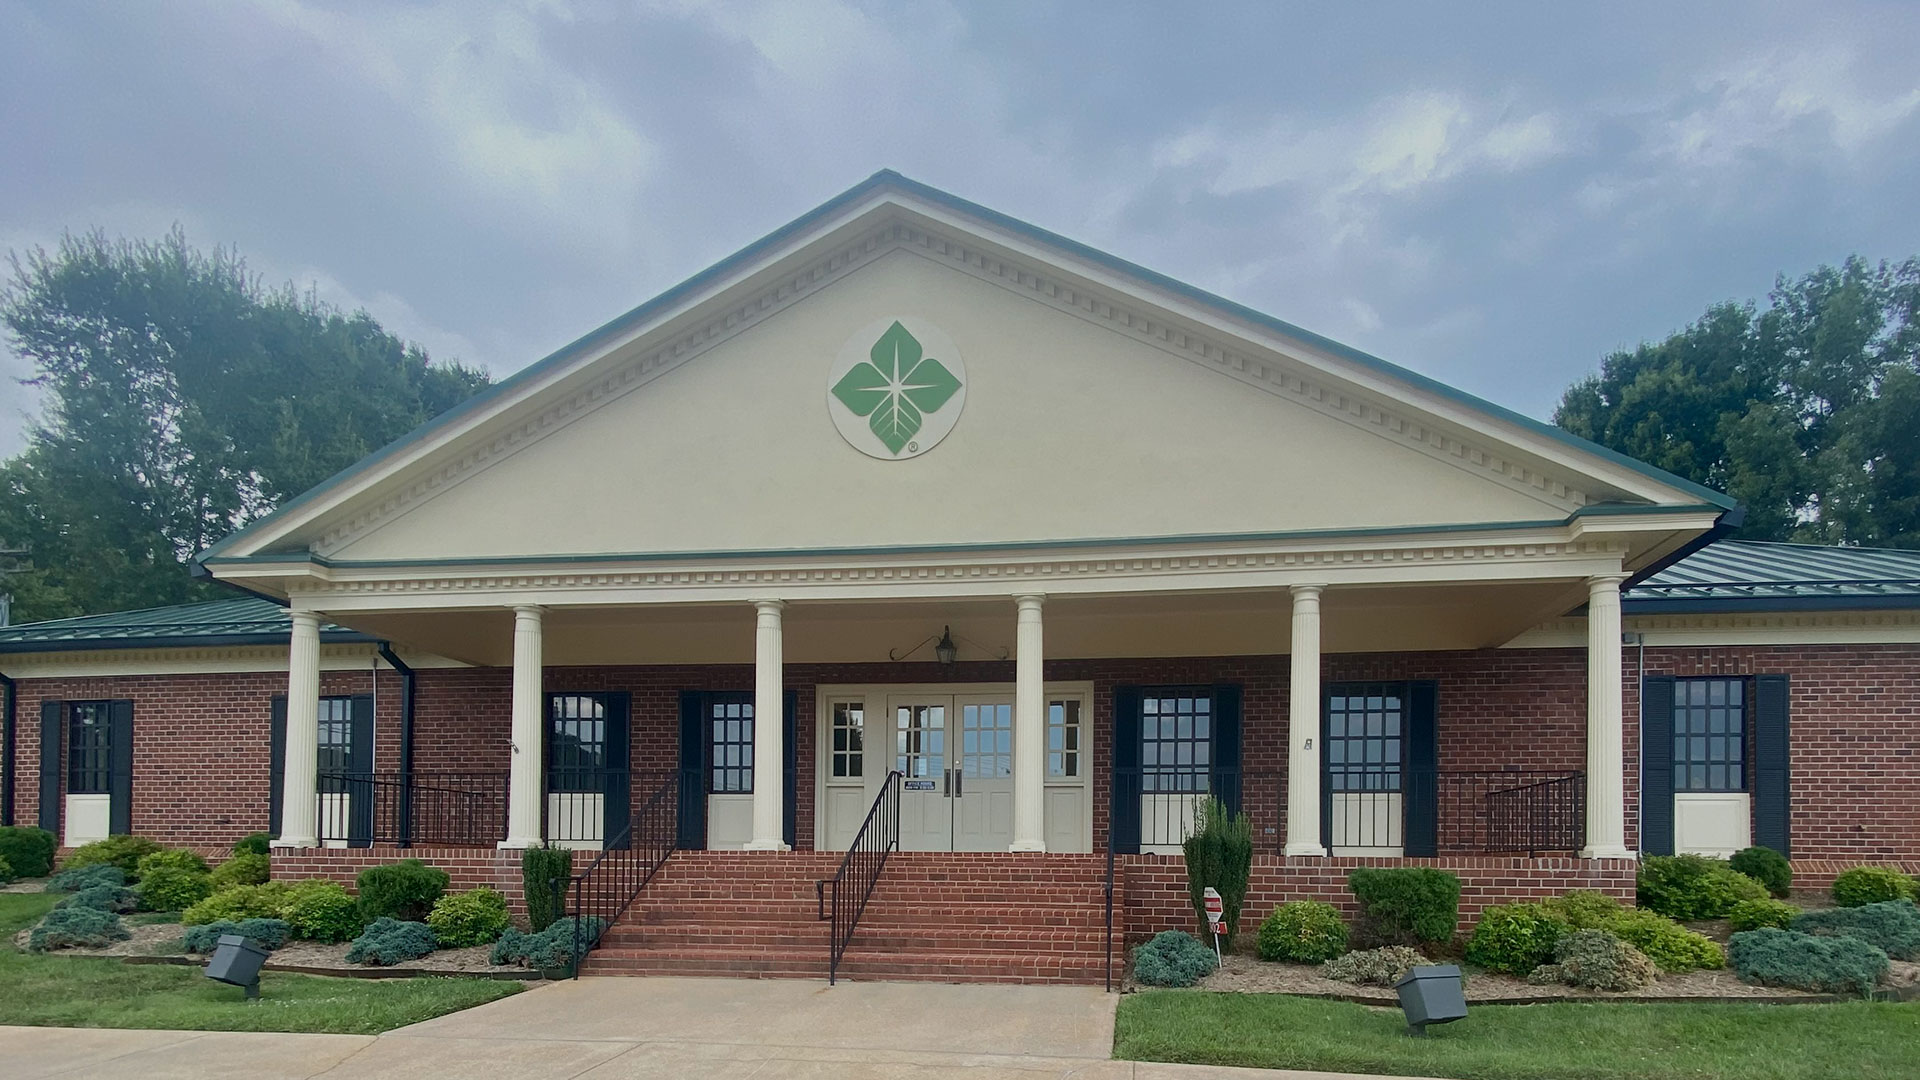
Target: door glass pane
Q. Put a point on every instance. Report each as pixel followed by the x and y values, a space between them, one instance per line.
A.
pixel 849 739
pixel 920 740
pixel 336 744
pixel 1063 738
pixel 986 741
pixel 89 752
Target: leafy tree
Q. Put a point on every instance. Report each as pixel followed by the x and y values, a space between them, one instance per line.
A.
pixel 184 399
pixel 1807 410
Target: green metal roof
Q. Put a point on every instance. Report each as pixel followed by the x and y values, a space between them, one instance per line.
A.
pixel 240 621
pixel 1749 575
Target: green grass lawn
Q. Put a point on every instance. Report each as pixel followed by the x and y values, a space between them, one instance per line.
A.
pixel 1852 1041
pixel 81 991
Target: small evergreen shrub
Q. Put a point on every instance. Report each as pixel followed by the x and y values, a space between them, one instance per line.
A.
pixel 320 910
pixel 1303 931
pixel 244 869
pixel 546 949
pixel 269 934
pixel 404 891
pixel 1761 915
pixel 1691 887
pixel 1766 866
pixel 7 876
pixel 1668 944
pixel 544 873
pixel 115 898
pixel 1172 958
pixel 76 927
pixel 173 881
pixel 1374 967
pixel 474 917
pixel 1597 960
pixel 1515 938
pixel 256 843
pixel 1892 926
pixel 28 850
pixel 1219 853
pixel 122 851
pixel 1405 905
pixel 81 877
pixel 1871 885
pixel 1805 962
pixel 263 901
pixel 389 941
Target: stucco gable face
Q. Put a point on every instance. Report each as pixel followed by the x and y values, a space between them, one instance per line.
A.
pixel 1038 423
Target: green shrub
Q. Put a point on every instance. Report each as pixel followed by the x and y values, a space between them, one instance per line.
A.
pixel 404 891
pixel 263 901
pixel 1892 926
pixel 1761 915
pixel 1304 931
pixel 1871 885
pixel 28 850
pixel 1515 938
pixel 1691 887
pixel 122 851
pixel 1172 958
pixel 545 949
pixel 115 898
pixel 1597 960
pixel 1805 962
pixel 1766 866
pixel 1406 905
pixel 544 873
pixel 243 869
pixel 77 927
pixel 1374 967
pixel 1668 944
pixel 7 876
pixel 254 843
pixel 321 910
pixel 83 877
pixel 269 934
pixel 388 941
pixel 173 881
pixel 474 917
pixel 1219 853
pixel 1584 909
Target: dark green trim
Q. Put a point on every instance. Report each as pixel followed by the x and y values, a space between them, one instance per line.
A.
pixel 887 179
pixel 171 641
pixel 1656 605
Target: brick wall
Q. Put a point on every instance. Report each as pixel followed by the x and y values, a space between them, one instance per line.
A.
pixel 467 868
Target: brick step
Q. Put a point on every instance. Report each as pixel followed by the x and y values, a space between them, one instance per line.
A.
pixel 997 967
pixel 888 939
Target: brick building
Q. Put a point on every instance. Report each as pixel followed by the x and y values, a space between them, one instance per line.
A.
pixel 914 526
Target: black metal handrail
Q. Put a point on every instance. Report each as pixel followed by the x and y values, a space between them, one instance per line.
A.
pixel 453 808
pixel 1544 815
pixel 613 880
pixel 859 872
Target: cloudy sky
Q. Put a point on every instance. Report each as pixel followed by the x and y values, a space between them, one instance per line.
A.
pixel 1495 195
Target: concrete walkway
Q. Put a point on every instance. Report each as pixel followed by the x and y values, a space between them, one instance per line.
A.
pixel 615 1028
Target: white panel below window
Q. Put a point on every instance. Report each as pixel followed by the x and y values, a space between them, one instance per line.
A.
pixel 1067 828
pixel 580 816
pixel 729 822
pixel 1716 823
pixel 1369 823
pixel 89 818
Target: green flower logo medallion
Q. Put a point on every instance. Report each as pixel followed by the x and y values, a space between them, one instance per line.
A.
pixel 897 388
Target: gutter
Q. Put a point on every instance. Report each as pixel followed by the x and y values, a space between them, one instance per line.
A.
pixel 11 748
pixel 385 649
pixel 1726 523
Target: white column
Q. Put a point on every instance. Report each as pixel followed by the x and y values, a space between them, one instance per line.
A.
pixel 526 786
pixel 1029 730
pixel 769 730
pixel 1606 774
pixel 299 809
pixel 1303 726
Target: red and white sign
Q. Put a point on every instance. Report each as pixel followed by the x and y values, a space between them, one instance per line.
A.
pixel 1216 910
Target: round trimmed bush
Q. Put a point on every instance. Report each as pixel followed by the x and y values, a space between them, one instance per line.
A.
pixel 263 901
pixel 1766 866
pixel 1691 887
pixel 85 877
pixel 320 910
pixel 269 934
pixel 1761 915
pixel 1172 958
pixel 1668 944
pixel 115 898
pixel 1405 905
pixel 1806 962
pixel 1303 931
pixel 474 917
pixel 1515 938
pixel 1583 909
pixel 173 881
pixel 404 890
pixel 1892 926
pixel 387 942
pixel 1871 885
pixel 1597 960
pixel 28 850
pixel 256 843
pixel 243 869
pixel 76 928
pixel 1373 967
pixel 123 851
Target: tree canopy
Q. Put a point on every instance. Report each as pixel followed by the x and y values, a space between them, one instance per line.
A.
pixel 1807 410
pixel 183 399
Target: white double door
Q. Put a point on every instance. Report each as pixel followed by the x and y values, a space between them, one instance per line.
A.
pixel 955 754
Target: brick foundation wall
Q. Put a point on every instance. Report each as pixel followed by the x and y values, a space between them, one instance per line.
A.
pixel 467 868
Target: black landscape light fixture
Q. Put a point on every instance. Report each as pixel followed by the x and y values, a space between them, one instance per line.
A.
pixel 1431 994
pixel 236 962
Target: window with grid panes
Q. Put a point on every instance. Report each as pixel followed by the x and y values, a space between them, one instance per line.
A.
pixel 89 748
pixel 1365 722
pixel 577 742
pixel 1710 734
pixel 849 739
pixel 1176 741
pixel 336 744
pixel 730 723
pixel 920 740
pixel 1063 738
pixel 986 741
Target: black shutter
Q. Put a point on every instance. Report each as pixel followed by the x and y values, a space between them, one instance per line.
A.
pixel 1421 770
pixel 1772 774
pixel 276 760
pixel 1656 770
pixel 52 715
pixel 120 763
pixel 1123 819
pixel 693 770
pixel 360 788
pixel 790 767
pixel 617 794
pixel 1226 777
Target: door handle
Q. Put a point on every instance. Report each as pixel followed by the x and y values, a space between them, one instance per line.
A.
pixel 959 784
pixel 946 783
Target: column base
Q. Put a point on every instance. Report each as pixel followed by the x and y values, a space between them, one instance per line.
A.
pixel 1033 846
pixel 766 845
pixel 1608 852
pixel 520 843
pixel 1311 850
pixel 295 842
